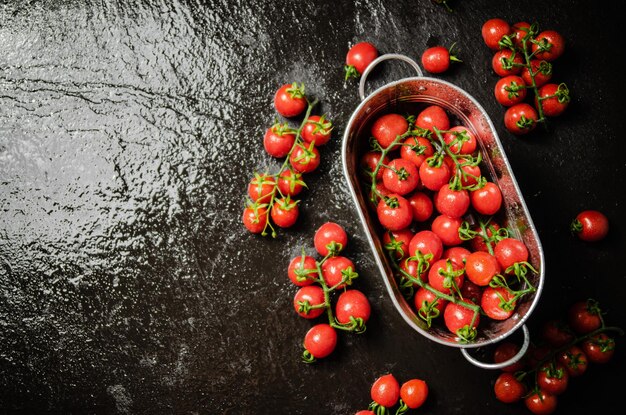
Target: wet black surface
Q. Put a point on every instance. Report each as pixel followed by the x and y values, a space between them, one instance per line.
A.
pixel 128 134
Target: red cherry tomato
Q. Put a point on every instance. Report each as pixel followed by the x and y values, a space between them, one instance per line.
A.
pixel 261 188
pixel 584 316
pixel 302 270
pixel 481 267
pixel 317 130
pixel 255 220
pixel 426 242
pixel 425 299
pixel 433 178
pixel 510 90
pixel 506 63
pixel 310 295
pixel 320 340
pixel 590 225
pixel 552 378
pixel 410 267
pixel 285 212
pixel 556 333
pixel 359 58
pixel 486 200
pixel 422 206
pixel 548 45
pixel 520 119
pixel 398 242
pixel 369 161
pixel 460 139
pixel 599 348
pixel 493 30
pixel 456 254
pixel 450 202
pixel 401 176
pixel 437 59
pixel 278 140
pixel 447 229
pixel 510 251
pixel 433 117
pixel 290 100
pixel 304 159
pixel 387 127
pixel 497 303
pixel 478 242
pixel 542 71
pixel 458 318
pixel 508 389
pixel 335 269
pixel 445 275
pixel 330 237
pixel 394 212
pixel 416 150
pixel 352 303
pixel 385 391
pixel 520 31
pixel 574 360
pixel 541 403
pixel 290 183
pixel 554 99
pixel 414 393
pixel 505 351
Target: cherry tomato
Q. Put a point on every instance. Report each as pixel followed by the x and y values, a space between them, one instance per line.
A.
pixel 416 150
pixel 261 188
pixel 481 267
pixel 469 172
pixel 556 333
pixel 255 219
pixel 387 127
pixel 352 303
pixel 394 212
pixel 486 200
pixel 422 206
pixel 510 251
pixel 426 242
pixel 330 237
pixel 478 242
pixel 450 202
pixel 369 161
pixel 433 117
pixel 584 316
pixel 320 340
pixel 599 348
pixel 456 254
pixel 510 90
pixel 541 403
pixel 410 267
pixel 552 378
pixel 424 299
pixel 460 139
pixel 574 360
pixel 590 225
pixel 508 389
pixel 493 30
pixel 542 71
pixel 458 317
pixel 290 100
pixel 433 178
pixel 278 140
pixel 290 183
pixel 302 270
pixel 437 59
pixel 414 393
pixel 398 242
pixel 497 303
pixel 401 176
pixel 548 45
pixel 310 295
pixel 505 351
pixel 285 212
pixel 520 118
pixel 505 62
pixel 317 130
pixel 444 275
pixel 554 99
pixel 520 30
pixel 305 159
pixel 385 391
pixel 447 229
pixel 358 59
pixel 471 291
pixel 335 268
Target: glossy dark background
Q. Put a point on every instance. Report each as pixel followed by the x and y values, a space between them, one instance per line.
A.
pixel 128 134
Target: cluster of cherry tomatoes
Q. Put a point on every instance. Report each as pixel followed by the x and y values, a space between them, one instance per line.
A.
pixel 567 346
pixel 271 196
pixel 523 59
pixel 440 217
pixel 386 393
pixel 317 281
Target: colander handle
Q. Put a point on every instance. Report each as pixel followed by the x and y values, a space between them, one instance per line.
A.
pixel 378 60
pixel 518 356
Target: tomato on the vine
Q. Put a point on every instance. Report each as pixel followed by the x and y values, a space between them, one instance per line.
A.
pixel 445 276
pixel 305 159
pixel 290 183
pixel 510 90
pixel 584 316
pixel 385 391
pixel 451 202
pixel 505 62
pixel 278 140
pixel 509 251
pixel 506 351
pixel 414 393
pixel 437 59
pixel 599 348
pixel 422 206
pixel 369 161
pixel 433 117
pixel 398 242
pixel 508 388
pixel 542 71
pixel 460 139
pixel 330 238
pixel 461 320
pixel 447 229
pixel 359 58
pixel 541 403
pixel 481 267
pixel 520 118
pixel 426 242
pixel 401 176
pixel 416 150
pixel 320 340
pixel 552 378
pixel 486 200
pixel 255 218
pixel 307 296
pixel 285 212
pixel 317 130
pixel 548 45
pixel 520 31
pixel 479 242
pixel 302 270
pixel 290 100
pixel 498 303
pixel 434 177
pixel 553 99
pixel 387 127
pixel 337 269
pixel 352 304
pixel 556 333
pixel 574 360
pixel 425 299
pixel 457 254
pixel 261 188
pixel 493 30
pixel 590 225
pixel 411 267
pixel 394 212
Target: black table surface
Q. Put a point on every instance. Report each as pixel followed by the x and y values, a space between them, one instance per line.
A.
pixel 128 134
